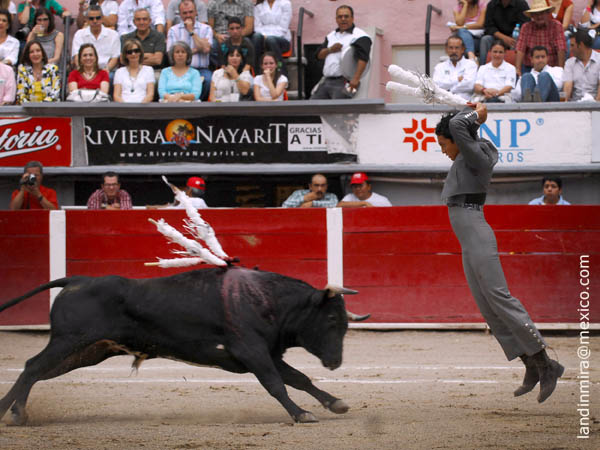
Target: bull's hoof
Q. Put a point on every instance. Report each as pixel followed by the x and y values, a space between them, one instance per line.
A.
pixel 339 407
pixel 306 417
pixel 18 418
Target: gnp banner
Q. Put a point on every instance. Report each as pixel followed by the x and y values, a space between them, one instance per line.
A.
pixel 210 140
pixel 44 139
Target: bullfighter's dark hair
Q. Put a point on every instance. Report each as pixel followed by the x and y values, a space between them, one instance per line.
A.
pixel 111 174
pixel 554 178
pixel 345 7
pixel 443 126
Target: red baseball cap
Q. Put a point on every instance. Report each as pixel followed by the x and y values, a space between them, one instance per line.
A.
pixel 196 182
pixel 359 178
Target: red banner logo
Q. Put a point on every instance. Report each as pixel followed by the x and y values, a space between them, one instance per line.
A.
pixel 44 139
pixel 419 132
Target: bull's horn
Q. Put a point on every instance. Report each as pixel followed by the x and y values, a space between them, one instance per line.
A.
pixel 333 290
pixel 356 317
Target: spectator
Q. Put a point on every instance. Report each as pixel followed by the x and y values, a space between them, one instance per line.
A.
pixel 46 34
pixel 153 42
pixel 110 195
pixel 128 8
pixel 173 17
pixel 236 39
pixel 541 30
pixel 362 195
pixel 37 81
pixel 543 83
pixel 591 20
pixel 179 83
pixel 88 75
pixel 340 40
pixel 8 86
pixel 106 41
pixel 219 12
pixel 562 11
pixel 270 86
pixel 469 17
pixel 272 29
pixel 552 188
pixel 582 71
pixel 501 17
pixel 198 37
pixel 457 74
pixel 495 79
pixel 134 82
pixel 231 82
pixel 316 196
pixel 31 193
pixel 110 13
pixel 9 46
pixel 194 189
pixel 26 10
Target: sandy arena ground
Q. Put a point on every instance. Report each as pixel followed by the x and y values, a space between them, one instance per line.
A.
pixel 406 390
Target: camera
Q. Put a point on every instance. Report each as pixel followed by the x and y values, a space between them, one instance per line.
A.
pixel 29 180
pixel 23 33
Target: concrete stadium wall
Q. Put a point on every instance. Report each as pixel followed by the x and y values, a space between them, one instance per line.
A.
pixel 404 261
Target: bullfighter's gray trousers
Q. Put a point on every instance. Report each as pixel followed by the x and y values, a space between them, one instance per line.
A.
pixel 508 320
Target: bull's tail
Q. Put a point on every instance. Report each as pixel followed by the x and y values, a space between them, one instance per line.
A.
pixel 62 282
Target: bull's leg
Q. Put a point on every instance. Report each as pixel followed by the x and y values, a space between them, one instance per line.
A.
pixel 60 356
pixel 296 379
pixel 259 362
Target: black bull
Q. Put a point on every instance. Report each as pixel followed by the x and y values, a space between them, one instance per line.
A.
pixel 237 319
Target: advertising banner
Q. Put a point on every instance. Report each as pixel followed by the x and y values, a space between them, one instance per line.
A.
pixel 210 140
pixel 44 139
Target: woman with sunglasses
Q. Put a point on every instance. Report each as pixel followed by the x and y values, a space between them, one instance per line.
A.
pixel 46 34
pixel 88 75
pixel 26 10
pixel 134 82
pixel 37 81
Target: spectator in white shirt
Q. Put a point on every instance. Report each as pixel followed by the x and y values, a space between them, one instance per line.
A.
pixel 496 79
pixel 105 41
pixel 362 194
pixel 173 17
pixel 457 74
pixel 272 29
pixel 9 46
pixel 110 12
pixel 198 36
pixel 128 8
pixel 543 83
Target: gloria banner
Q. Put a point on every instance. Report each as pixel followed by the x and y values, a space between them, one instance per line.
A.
pixel 44 139
pixel 210 140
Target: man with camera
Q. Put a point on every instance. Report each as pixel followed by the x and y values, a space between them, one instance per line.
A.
pixel 31 194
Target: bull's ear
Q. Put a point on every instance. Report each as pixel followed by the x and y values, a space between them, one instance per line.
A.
pixel 319 296
pixel 333 290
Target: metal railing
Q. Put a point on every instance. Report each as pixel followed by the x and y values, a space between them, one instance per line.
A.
pixel 301 13
pixel 430 8
pixel 64 58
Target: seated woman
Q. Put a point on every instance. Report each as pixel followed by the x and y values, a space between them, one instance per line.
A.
pixel 9 46
pixel 88 75
pixel 180 82
pixel 591 19
pixel 37 81
pixel 26 10
pixel 8 86
pixel 272 29
pixel 269 86
pixel 230 82
pixel 134 82
pixel 44 32
pixel 469 18
pixel 495 79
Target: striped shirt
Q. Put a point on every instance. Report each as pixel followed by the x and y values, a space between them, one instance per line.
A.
pixel 180 33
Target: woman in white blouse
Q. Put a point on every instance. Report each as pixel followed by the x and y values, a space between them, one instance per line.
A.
pixel 496 79
pixel 272 29
pixel 230 82
pixel 133 83
pixel 9 46
pixel 269 86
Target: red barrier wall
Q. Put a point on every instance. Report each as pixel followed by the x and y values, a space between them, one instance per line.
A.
pixel 406 262
pixel 24 264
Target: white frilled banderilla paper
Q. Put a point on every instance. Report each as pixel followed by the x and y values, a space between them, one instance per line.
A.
pixel 420 86
pixel 194 252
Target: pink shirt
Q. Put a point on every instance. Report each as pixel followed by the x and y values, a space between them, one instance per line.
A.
pixel 474 19
pixel 8 84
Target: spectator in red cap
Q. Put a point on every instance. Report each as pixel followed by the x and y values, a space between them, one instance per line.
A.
pixel 110 195
pixel 316 196
pixel 194 189
pixel 362 195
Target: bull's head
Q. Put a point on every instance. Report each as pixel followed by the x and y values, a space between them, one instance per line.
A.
pixel 333 290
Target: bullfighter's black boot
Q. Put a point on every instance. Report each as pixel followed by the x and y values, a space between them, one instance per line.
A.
pixel 549 372
pixel 531 376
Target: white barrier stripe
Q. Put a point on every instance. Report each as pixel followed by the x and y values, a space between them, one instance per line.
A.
pixel 58 249
pixel 335 246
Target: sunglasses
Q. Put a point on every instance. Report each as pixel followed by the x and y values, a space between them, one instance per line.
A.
pixel 94 18
pixel 132 51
